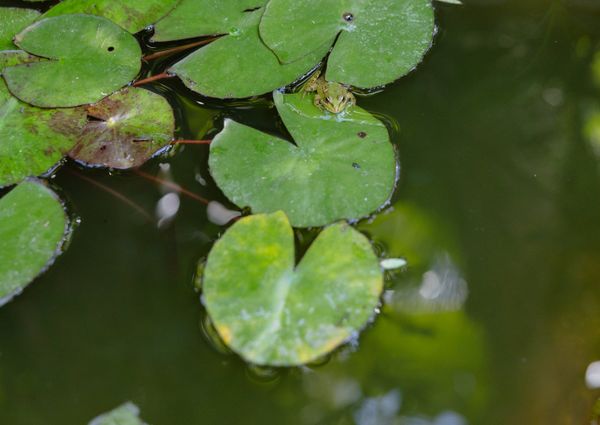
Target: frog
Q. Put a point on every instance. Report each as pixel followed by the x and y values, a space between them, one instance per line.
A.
pixel 329 96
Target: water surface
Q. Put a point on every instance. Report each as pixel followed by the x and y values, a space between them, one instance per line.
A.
pixel 494 322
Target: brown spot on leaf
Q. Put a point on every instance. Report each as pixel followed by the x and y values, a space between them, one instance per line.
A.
pixel 68 122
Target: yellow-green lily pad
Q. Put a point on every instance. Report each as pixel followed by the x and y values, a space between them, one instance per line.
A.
pixel 88 58
pixel 32 140
pixel 33 227
pixel 342 166
pixel 14 20
pixel 238 64
pixel 374 41
pixel 125 130
pixel 274 312
pixel 133 15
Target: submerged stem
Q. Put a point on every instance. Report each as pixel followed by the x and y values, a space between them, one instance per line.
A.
pixel 114 193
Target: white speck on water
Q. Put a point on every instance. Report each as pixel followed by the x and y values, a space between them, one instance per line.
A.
pixel 592 375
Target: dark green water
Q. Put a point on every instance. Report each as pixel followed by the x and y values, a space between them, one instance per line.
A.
pixel 499 194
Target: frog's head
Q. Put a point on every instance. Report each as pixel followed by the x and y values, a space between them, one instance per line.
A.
pixel 337 98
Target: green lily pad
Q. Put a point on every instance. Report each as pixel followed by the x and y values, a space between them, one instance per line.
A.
pixel 342 166
pixel 221 69
pixel 125 130
pixel 133 15
pixel 14 20
pixel 271 311
pixel 192 18
pixel 89 58
pixel 32 140
pixel 33 227
pixel 126 414
pixel 378 41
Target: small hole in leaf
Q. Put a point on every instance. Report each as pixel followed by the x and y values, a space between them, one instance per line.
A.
pixel 111 49
pixel 348 17
pixel 356 165
pixel 362 134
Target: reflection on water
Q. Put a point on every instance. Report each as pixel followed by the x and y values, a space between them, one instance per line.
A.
pixel 379 410
pixel 441 289
pixel 499 146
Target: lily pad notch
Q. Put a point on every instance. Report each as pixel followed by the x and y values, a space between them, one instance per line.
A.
pixel 214 70
pixel 341 166
pixel 125 130
pixel 373 42
pixel 72 73
pixel 273 312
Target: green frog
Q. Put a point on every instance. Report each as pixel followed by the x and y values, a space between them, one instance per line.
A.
pixel 329 96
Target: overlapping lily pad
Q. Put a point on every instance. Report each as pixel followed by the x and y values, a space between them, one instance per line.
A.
pixel 378 41
pixel 14 20
pixel 89 58
pixel 126 414
pixel 33 227
pixel 125 129
pixel 133 15
pixel 273 312
pixel 32 140
pixel 341 167
pixel 238 64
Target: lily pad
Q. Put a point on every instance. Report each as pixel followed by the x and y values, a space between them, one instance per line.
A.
pixel 14 20
pixel 376 41
pixel 133 15
pixel 341 167
pixel 33 226
pixel 89 58
pixel 221 69
pixel 125 130
pixel 192 18
pixel 126 414
pixel 271 311
pixel 32 140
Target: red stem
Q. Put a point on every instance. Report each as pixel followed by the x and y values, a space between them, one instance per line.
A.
pixel 178 49
pixel 173 186
pixel 156 77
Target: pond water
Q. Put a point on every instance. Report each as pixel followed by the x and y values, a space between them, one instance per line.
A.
pixel 495 320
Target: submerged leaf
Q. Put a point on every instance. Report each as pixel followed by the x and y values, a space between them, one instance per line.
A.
pixel 221 69
pixel 376 41
pixel 32 140
pixel 14 20
pixel 133 15
pixel 341 167
pixel 273 312
pixel 33 227
pixel 125 129
pixel 89 58
pixel 126 414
